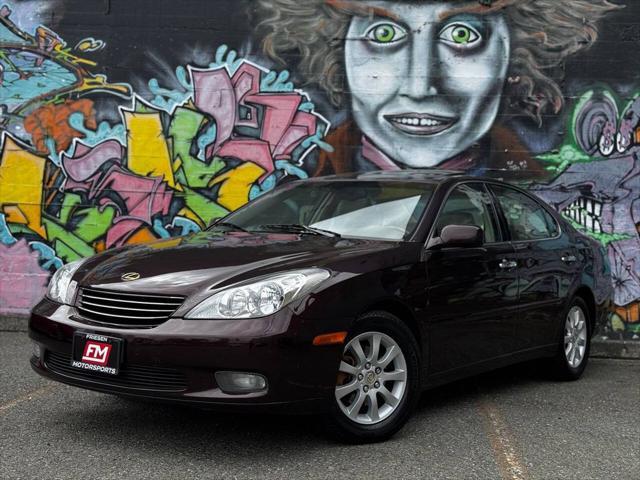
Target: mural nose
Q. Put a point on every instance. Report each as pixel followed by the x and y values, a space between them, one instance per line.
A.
pixel 419 88
pixel 423 73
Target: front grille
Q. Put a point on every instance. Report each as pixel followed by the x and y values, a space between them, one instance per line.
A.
pixel 130 376
pixel 130 310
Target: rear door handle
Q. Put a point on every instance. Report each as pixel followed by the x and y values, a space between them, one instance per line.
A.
pixel 568 258
pixel 507 264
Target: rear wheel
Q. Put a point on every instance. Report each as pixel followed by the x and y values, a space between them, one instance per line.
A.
pixel 378 380
pixel 573 353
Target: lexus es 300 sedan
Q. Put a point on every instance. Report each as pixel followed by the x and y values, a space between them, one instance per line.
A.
pixel 345 296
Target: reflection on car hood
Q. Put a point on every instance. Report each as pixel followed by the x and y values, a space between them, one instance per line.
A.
pixel 188 264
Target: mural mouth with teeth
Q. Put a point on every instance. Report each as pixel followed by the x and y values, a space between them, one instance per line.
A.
pixel 585 212
pixel 420 123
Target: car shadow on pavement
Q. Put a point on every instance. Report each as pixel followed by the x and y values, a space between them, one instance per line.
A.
pixel 198 433
pixel 525 375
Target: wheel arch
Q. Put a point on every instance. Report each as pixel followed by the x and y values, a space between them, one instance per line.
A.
pixel 587 296
pixel 403 312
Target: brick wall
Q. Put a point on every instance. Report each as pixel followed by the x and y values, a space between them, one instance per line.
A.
pixel 124 122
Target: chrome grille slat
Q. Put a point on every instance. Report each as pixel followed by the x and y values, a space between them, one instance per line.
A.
pixel 95 297
pixel 85 309
pixel 122 325
pixel 165 310
pixel 124 309
pixel 117 293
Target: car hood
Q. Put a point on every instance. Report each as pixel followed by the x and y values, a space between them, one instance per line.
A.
pixel 183 266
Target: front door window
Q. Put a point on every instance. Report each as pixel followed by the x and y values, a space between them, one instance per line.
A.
pixel 468 204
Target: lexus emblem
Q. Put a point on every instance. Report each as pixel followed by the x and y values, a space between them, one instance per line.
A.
pixel 130 277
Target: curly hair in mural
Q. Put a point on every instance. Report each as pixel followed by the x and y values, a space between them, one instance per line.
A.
pixel 510 55
pixel 544 33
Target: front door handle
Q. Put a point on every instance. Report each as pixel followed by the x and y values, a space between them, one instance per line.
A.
pixel 507 264
pixel 568 258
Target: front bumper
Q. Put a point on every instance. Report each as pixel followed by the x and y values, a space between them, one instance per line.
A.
pixel 177 360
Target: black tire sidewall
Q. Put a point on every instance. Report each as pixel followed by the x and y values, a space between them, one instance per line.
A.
pixel 346 430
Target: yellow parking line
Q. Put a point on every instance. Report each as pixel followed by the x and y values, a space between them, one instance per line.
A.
pixel 27 397
pixel 504 448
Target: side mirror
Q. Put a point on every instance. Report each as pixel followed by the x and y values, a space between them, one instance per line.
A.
pixel 458 236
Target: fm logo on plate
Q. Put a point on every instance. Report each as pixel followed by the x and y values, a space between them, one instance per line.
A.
pixel 96 353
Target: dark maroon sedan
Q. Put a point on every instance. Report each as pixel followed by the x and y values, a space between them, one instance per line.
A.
pixel 345 296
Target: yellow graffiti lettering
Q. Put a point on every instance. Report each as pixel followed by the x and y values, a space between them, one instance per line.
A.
pixel 147 150
pixel 21 180
pixel 236 184
pixel 186 212
pixel 99 82
pixel 64 54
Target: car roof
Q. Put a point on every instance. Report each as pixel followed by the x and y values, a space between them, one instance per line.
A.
pixel 430 175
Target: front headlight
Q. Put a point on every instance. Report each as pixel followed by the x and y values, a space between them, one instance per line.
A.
pixel 259 297
pixel 61 288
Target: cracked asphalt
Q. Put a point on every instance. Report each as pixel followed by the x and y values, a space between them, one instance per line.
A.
pixel 509 424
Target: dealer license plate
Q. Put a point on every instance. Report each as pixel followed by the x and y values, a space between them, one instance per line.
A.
pixel 98 353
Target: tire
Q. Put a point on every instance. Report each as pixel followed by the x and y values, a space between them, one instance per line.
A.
pixel 393 384
pixel 573 341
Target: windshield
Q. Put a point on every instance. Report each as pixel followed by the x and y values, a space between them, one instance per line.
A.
pixel 382 210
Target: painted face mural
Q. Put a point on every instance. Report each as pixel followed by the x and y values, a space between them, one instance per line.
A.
pixel 425 81
pixel 94 156
pixel 433 83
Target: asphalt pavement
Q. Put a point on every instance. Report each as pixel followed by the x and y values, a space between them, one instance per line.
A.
pixel 510 424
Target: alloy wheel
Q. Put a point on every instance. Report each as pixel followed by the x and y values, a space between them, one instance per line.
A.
pixel 372 378
pixel 575 337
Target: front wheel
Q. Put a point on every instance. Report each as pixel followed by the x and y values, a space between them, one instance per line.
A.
pixel 378 380
pixel 573 352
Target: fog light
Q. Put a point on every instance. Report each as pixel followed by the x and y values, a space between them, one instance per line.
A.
pixel 36 350
pixel 240 382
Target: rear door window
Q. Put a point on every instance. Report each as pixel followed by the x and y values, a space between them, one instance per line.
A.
pixel 527 219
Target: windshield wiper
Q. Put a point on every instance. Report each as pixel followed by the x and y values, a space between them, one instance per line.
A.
pixel 298 228
pixel 230 225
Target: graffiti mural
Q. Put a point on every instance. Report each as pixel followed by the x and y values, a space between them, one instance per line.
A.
pixel 598 188
pixel 427 82
pixel 72 187
pixel 89 163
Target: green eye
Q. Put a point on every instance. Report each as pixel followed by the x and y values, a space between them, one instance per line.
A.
pixel 385 33
pixel 460 35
